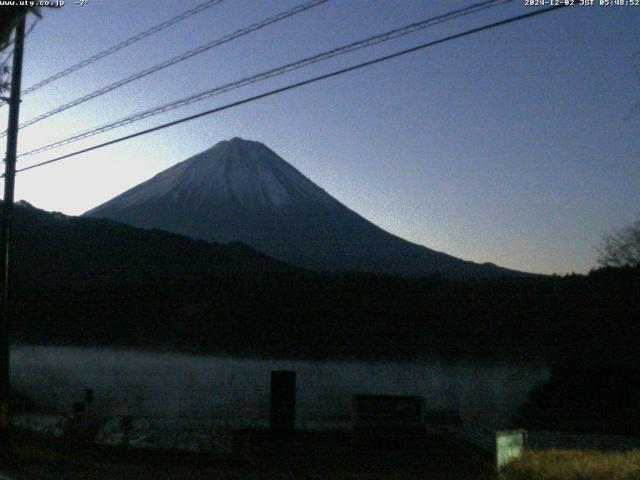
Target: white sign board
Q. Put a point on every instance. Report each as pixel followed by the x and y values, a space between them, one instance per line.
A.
pixel 509 446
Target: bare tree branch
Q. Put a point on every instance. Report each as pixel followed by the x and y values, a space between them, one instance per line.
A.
pixel 621 248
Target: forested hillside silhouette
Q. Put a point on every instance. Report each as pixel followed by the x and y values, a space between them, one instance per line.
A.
pixel 95 282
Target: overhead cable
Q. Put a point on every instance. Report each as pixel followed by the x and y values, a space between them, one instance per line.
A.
pixel 172 61
pixel 299 84
pixel 367 42
pixel 126 43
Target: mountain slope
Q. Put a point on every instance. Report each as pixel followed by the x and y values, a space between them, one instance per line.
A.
pixel 52 250
pixel 242 191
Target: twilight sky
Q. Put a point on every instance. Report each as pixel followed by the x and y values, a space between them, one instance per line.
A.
pixel 517 146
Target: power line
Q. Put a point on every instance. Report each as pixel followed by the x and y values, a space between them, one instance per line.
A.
pixel 123 44
pixel 367 42
pixel 179 58
pixel 300 84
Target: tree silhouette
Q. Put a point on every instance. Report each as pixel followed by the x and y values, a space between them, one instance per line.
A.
pixel 4 77
pixel 11 16
pixel 622 247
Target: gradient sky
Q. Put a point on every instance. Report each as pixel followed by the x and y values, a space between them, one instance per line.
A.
pixel 517 146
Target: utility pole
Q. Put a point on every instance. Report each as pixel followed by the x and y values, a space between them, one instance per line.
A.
pixel 7 221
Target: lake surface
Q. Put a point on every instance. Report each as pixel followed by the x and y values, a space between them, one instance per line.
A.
pixel 235 392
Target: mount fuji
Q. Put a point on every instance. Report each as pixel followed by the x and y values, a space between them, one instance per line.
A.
pixel 241 190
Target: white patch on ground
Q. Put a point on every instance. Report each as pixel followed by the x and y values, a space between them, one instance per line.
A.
pixel 49 424
pixel 194 435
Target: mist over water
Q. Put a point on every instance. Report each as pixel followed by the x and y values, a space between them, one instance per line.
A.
pixel 236 391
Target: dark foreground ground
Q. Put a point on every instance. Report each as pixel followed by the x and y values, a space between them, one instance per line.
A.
pixel 318 456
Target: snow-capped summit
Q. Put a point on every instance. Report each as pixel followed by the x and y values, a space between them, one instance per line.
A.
pixel 234 171
pixel 240 190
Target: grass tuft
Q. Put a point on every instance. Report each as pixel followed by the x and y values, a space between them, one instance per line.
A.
pixel 574 465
